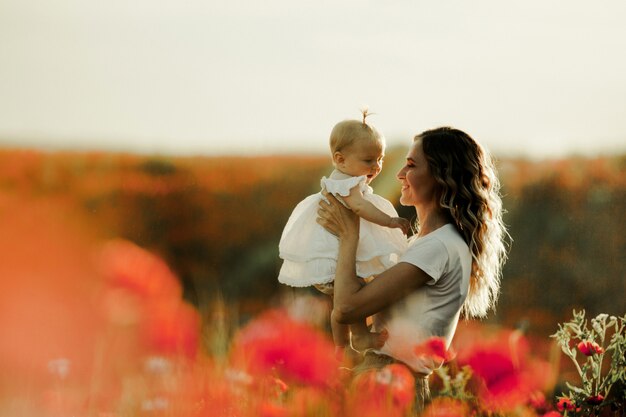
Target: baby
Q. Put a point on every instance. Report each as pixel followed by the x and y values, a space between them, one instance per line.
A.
pixel 309 252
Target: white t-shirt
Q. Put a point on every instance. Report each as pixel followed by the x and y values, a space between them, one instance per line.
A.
pixel 432 309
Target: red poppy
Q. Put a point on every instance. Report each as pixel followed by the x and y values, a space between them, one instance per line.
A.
pixel 565 404
pixel 435 348
pixel 129 266
pixel 508 374
pixel 552 414
pixel 389 391
pixel 172 329
pixel 537 401
pixel 297 351
pixel 589 348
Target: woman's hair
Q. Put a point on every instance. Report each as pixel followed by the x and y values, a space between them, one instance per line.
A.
pixel 470 190
pixel 347 132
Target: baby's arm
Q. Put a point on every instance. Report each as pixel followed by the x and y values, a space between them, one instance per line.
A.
pixel 365 209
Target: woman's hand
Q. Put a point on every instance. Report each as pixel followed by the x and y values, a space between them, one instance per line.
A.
pixel 336 218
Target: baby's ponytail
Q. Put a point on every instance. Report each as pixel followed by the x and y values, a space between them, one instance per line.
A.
pixel 365 111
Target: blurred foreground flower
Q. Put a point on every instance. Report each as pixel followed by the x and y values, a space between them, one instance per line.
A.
pixel 508 375
pixel 144 291
pixel 301 402
pixel 172 330
pixel 49 328
pixel 389 391
pixel 274 343
pixel 435 349
pixel 126 265
pixel 447 407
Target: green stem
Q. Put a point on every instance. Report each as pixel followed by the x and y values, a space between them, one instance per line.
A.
pixel 580 371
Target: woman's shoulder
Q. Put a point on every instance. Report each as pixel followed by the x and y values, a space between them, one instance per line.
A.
pixel 441 242
pixel 446 233
pixel 437 251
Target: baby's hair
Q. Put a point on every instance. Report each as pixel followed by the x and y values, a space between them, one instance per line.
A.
pixel 347 132
pixel 365 111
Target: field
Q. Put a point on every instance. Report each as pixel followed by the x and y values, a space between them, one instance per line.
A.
pixel 135 285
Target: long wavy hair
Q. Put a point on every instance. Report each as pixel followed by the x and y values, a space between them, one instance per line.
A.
pixel 469 190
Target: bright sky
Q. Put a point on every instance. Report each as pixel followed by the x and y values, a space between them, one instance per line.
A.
pixel 533 77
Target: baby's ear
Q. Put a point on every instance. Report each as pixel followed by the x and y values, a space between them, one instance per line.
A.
pixel 338 158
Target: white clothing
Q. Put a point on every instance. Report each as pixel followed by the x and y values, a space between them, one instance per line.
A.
pixel 432 309
pixel 310 252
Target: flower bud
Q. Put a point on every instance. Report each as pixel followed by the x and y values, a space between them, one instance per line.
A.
pixel 595 399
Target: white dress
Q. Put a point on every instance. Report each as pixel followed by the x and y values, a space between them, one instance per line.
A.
pixel 309 252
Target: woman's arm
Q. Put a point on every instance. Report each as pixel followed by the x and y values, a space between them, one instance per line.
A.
pixel 352 302
pixel 393 284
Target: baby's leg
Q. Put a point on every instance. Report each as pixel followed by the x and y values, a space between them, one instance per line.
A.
pixel 341 333
pixel 361 338
pixel 341 337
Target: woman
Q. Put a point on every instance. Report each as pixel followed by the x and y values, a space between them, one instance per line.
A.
pixel 452 265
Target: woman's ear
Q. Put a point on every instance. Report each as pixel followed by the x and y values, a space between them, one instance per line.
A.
pixel 338 158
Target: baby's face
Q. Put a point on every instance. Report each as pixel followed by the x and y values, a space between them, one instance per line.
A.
pixel 363 158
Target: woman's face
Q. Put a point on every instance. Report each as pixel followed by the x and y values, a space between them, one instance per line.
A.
pixel 418 185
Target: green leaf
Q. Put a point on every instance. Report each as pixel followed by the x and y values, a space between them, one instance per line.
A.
pixel 577 389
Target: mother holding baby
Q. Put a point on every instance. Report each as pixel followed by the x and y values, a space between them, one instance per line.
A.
pixel 453 263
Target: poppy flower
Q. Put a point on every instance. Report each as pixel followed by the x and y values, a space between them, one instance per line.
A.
pixel 537 400
pixel 172 329
pixel 435 348
pixel 589 348
pixel 508 375
pixel 389 391
pixel 565 404
pixel 296 351
pixel 126 265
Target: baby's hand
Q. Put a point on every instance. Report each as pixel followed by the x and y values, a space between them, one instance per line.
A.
pixel 400 223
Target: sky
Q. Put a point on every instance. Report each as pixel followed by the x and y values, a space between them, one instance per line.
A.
pixel 532 78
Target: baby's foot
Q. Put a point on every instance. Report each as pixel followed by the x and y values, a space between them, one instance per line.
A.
pixel 369 340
